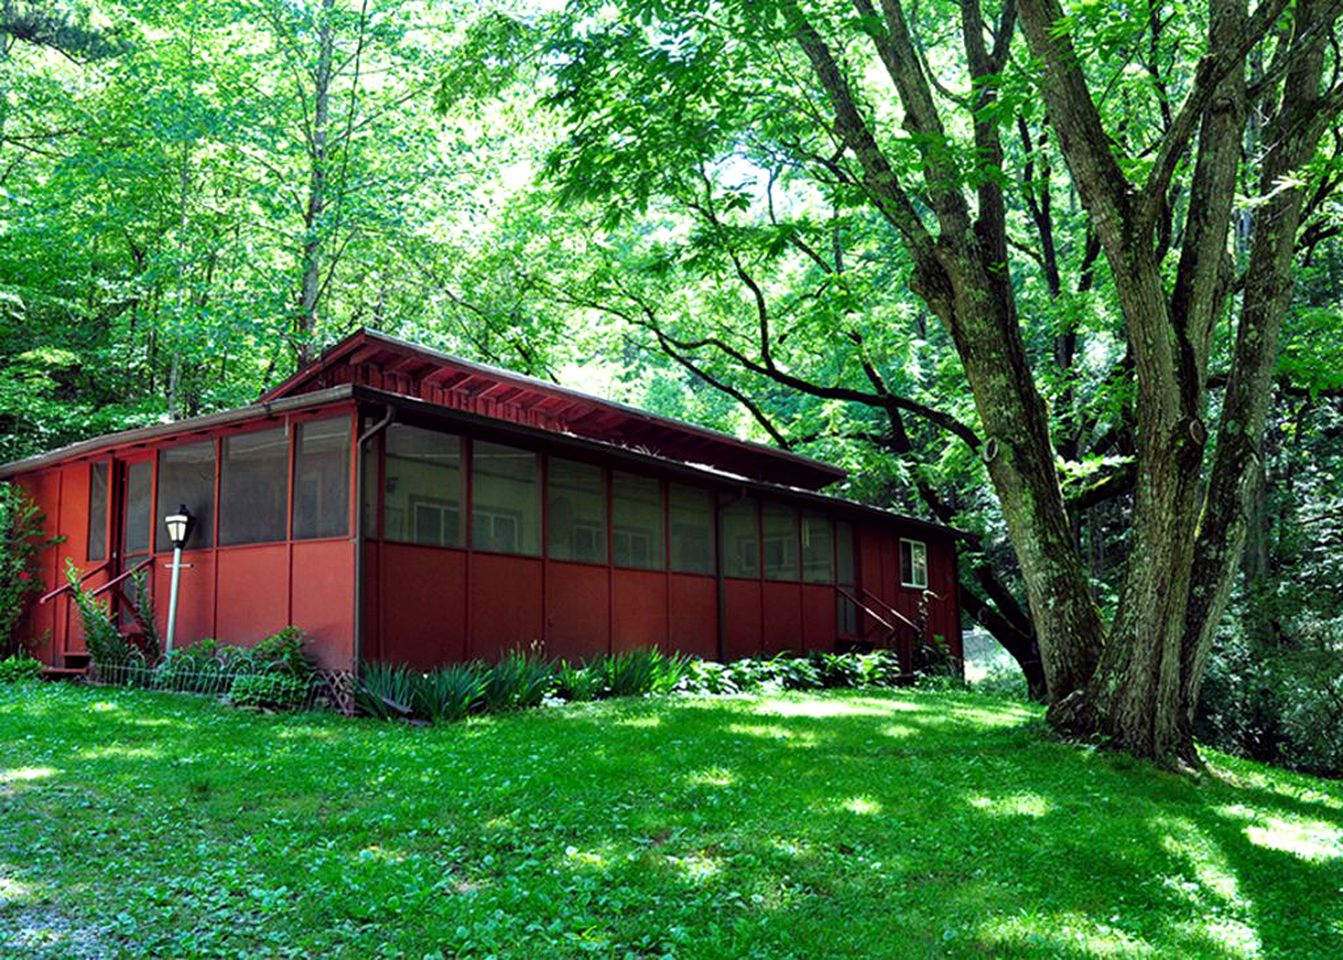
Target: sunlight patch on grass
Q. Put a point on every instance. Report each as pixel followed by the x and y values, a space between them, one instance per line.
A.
pixel 584 858
pixel 863 806
pixel 26 774
pixel 898 731
pixel 1013 805
pixel 649 721
pixel 697 867
pixel 820 708
pixel 1057 933
pixel 1205 859
pixel 1308 839
pixel 794 738
pixel 104 706
pixel 1313 840
pixel 14 891
pixel 712 777
pixel 119 752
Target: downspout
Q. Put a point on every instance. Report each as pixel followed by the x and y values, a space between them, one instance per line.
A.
pixel 721 577
pixel 359 532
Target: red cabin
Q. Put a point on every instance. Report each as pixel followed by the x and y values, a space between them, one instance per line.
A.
pixel 399 504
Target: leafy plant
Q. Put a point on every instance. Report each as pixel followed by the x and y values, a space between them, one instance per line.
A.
pixel 284 653
pixel 449 693
pixel 274 691
pixel 518 681
pixel 108 649
pixel 17 667
pixel 21 540
pixel 631 673
pixel 708 677
pixel 580 682
pixel 143 601
pixel 386 691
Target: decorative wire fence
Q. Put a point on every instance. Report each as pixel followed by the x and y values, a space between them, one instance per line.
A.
pixel 240 684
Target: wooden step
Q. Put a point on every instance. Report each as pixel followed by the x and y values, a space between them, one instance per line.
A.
pixel 64 673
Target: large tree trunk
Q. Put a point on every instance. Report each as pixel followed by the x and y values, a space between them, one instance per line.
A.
pixel 1238 458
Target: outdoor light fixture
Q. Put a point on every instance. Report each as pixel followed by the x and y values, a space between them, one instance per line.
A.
pixel 179 528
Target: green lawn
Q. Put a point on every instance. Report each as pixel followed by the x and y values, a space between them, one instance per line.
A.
pixel 845 824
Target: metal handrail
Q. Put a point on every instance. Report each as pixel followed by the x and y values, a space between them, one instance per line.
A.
pixel 63 588
pixel 146 562
pixel 865 608
pixel 891 610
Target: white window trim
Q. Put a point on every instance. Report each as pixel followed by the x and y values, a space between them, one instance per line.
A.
pixel 904 582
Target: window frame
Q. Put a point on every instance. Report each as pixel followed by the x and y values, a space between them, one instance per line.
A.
pixel 905 575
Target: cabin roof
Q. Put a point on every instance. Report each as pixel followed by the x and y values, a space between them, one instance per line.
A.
pixel 390 363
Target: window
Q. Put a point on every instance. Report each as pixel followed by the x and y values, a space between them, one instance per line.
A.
pixel 577 512
pixel 914 564
pixel 187 478
pixel 98 510
pixel 322 479
pixel 422 487
pixel 740 523
pixel 818 549
pixel 781 560
pixel 636 518
pixel 847 611
pixel 506 507
pixel 254 487
pixel 135 518
pixel 691 529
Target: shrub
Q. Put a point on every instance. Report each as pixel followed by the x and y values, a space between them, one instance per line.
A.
pixel 283 653
pixel 708 677
pixel 518 681
pixel 580 682
pixel 110 652
pixel 19 667
pixel 449 693
pixel 274 691
pixel 386 691
pixel 21 540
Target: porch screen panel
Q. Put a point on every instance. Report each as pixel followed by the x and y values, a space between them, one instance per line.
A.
pixel 740 523
pixel 692 540
pixel 781 536
pixel 844 577
pixel 254 487
pixel 187 478
pixel 577 511
pixel 138 507
pixel 506 500
pixel 322 479
pixel 818 549
pixel 422 489
pixel 98 510
pixel 636 519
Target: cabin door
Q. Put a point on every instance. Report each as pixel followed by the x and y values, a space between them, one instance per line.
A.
pixel 133 538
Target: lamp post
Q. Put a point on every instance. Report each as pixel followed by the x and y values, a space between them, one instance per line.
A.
pixel 179 528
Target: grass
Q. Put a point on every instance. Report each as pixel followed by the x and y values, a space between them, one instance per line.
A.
pixel 848 824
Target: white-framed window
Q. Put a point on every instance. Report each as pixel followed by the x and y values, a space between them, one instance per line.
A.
pixel 914 564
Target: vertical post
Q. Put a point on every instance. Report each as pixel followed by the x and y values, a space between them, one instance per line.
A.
pixel 172 598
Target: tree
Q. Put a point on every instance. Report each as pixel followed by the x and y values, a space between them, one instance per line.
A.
pixel 1157 169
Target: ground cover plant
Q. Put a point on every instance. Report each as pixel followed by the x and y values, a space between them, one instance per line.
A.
pixel 838 823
